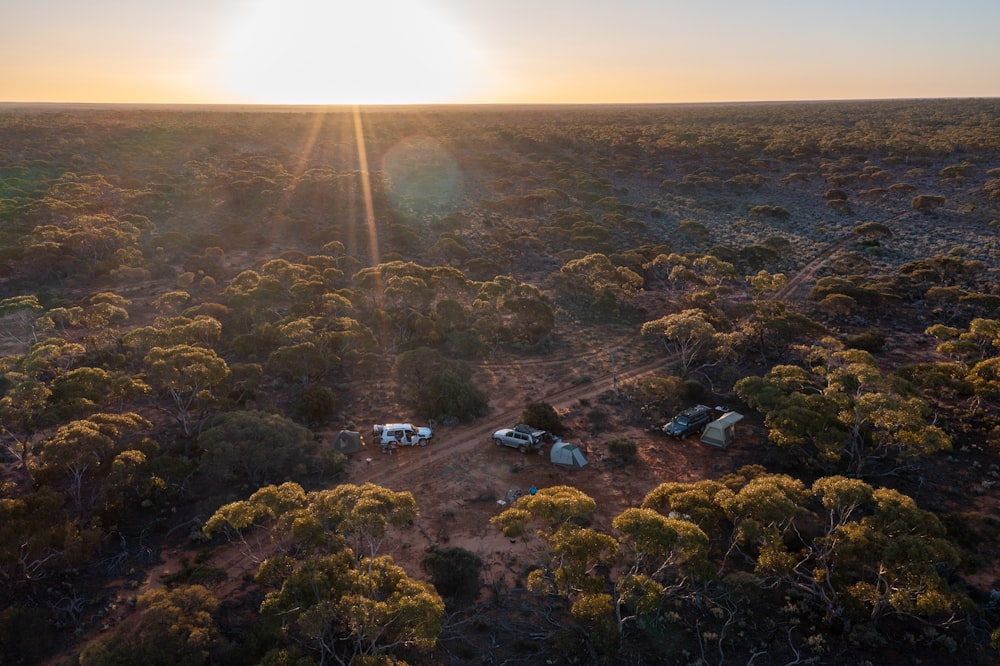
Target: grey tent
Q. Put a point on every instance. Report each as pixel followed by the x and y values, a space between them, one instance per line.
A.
pixel 722 431
pixel 346 441
pixel 567 455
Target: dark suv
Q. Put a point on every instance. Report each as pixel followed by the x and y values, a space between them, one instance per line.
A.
pixel 688 421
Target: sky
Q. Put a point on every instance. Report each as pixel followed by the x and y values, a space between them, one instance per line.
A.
pixel 495 51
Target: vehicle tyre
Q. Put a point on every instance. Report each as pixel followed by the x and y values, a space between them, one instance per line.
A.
pixel 522 448
pixel 422 442
pixel 496 440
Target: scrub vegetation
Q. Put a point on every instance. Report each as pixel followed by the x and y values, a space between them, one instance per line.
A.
pixel 194 300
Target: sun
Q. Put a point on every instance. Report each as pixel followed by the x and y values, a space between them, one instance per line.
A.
pixel 340 52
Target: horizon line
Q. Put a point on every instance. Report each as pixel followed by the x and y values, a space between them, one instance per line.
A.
pixel 402 105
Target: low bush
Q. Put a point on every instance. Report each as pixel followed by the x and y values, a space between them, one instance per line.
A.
pixel 623 449
pixel 454 572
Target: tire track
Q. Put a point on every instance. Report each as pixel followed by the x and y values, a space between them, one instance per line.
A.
pixel 454 441
pixel 809 271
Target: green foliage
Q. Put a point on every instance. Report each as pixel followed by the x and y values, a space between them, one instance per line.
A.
pixel 455 572
pixel 543 416
pixel 847 410
pixel 872 231
pixel 438 387
pixel 555 506
pixel 254 447
pixel 188 375
pixel 689 335
pixel 871 340
pixel 327 596
pixel 316 404
pixel 623 449
pixel 593 280
pixel 174 627
pixel 867 552
pixel 777 212
pixel 667 542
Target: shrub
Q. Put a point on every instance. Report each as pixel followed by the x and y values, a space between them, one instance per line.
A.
pixel 543 416
pixel 926 203
pixel 598 419
pixel 694 390
pixel 439 387
pixel 454 572
pixel 872 340
pixel 693 230
pixel 624 449
pixel 251 446
pixel 777 212
pixel 872 230
pixel 316 404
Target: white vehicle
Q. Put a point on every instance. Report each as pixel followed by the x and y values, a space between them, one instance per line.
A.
pixel 401 434
pixel 521 437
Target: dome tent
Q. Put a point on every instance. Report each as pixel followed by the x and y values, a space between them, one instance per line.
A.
pixel 346 441
pixel 567 455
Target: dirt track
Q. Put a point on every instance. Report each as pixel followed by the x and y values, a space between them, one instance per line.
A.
pixel 455 441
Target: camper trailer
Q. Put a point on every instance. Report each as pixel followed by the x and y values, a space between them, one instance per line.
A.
pixel 722 431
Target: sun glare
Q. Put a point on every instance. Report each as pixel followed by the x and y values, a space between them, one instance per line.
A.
pixel 337 52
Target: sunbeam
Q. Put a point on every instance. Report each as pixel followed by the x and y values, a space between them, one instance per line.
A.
pixel 366 187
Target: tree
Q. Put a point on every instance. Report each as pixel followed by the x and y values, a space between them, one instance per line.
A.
pixel 22 404
pixel 188 375
pixel 174 627
pixel 80 452
pixel 773 327
pixel 439 387
pixel 527 322
pixel 847 409
pixel 455 572
pixel 86 244
pixel 17 318
pixel 855 551
pixel 254 447
pixel 666 554
pixel 765 282
pixel 331 589
pixel 593 277
pixel 543 416
pixel 202 330
pixel 299 363
pixel 687 334
pixel 84 390
pixel 39 539
pixel 837 305
pixel 891 560
pixel 510 312
pixel 315 405
pixel 872 231
pixel 657 553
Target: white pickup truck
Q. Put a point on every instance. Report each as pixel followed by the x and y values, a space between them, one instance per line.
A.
pixel 401 434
